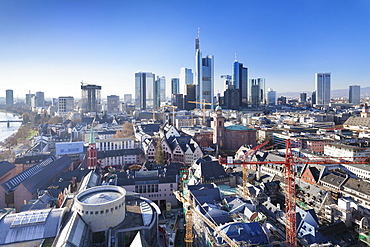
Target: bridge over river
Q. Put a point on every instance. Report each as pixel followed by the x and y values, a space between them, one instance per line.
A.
pixel 10 121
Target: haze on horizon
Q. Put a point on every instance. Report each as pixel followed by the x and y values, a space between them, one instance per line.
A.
pixel 52 46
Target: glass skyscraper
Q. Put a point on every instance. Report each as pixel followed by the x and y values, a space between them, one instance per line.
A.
pixel 240 81
pixel 257 90
pixel 354 94
pixel 144 90
pixel 322 87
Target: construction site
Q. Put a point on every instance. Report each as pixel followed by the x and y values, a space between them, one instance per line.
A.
pixel 266 196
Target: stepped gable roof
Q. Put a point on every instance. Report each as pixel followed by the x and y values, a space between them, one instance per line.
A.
pixel 5 167
pixel 13 183
pixel 33 183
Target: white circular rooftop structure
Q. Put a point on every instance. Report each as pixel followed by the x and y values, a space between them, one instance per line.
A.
pixel 102 206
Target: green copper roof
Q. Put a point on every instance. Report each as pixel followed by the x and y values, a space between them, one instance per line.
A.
pixel 237 127
pixel 92 136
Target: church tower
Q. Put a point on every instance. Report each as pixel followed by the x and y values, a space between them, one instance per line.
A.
pixel 219 128
pixel 365 111
pixel 92 152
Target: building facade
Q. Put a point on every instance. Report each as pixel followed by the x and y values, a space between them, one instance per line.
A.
pixel 322 87
pixel 113 104
pixel 175 85
pixel 271 97
pixel 90 98
pixel 240 82
pixel 257 96
pixel 65 104
pixel 9 97
pixel 39 99
pixel 186 77
pixel 144 90
pixel 354 94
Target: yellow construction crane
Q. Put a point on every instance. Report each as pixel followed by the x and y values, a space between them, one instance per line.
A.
pixel 190 209
pixel 173 112
pixel 204 108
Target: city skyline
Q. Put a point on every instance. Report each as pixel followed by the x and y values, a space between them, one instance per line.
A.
pixel 52 46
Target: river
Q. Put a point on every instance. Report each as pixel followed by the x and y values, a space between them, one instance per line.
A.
pixel 6 131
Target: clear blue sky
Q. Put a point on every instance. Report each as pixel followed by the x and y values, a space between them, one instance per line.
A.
pixel 52 46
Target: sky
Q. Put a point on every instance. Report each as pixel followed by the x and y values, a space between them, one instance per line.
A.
pixel 52 46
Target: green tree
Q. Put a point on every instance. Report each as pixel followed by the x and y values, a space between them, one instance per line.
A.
pixel 158 158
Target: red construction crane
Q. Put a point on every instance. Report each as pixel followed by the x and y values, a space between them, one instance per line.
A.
pixel 289 180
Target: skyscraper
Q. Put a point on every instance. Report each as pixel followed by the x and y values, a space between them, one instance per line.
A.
pixel 302 97
pixel 322 87
pixel 9 97
pixel 257 96
pixel 144 90
pixel 240 81
pixel 40 99
pixel 162 89
pixel 113 104
pixel 186 77
pixel 127 98
pixel 354 94
pixel 271 97
pixel 203 75
pixel 29 98
pixel 175 86
pixel 90 98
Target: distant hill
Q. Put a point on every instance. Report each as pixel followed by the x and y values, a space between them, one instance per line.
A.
pixel 365 91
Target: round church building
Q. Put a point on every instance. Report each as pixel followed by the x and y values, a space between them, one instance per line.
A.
pixel 101 207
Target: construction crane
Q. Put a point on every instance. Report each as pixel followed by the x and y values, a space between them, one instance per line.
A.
pixel 205 103
pixel 173 112
pixel 289 181
pixel 190 209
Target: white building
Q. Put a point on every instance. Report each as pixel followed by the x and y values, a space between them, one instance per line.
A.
pixel 322 87
pixel 346 152
pixel 65 104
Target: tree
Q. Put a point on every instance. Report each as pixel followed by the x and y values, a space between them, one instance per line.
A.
pixel 158 158
pixel 127 130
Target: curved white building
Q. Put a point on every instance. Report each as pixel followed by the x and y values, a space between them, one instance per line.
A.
pixel 101 207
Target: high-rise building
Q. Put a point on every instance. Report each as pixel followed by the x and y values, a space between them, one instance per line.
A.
pixel 113 104
pixel 65 104
pixel 190 95
pixel 175 86
pixel 302 97
pixel 127 98
pixel 354 94
pixel 9 97
pixel 144 90
pixel 257 89
pixel 162 89
pixel 240 81
pixel 39 99
pixel 313 98
pixel 204 71
pixel 271 97
pixel 186 77
pixel 322 87
pixel 29 98
pixel 90 98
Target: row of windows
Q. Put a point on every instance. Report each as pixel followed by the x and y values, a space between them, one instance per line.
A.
pixel 101 211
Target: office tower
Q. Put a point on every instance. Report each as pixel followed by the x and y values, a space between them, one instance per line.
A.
pixel 227 81
pixel 175 86
pixel 313 98
pixel 231 98
pixel 157 93
pixel 190 95
pixel 240 81
pixel 281 100
pixel 39 99
pixel 144 90
pixel 322 87
pixel 303 97
pixel 127 98
pixel 9 97
pixel 178 100
pixel 90 96
pixel 257 90
pixel 54 101
pixel 113 104
pixel 65 104
pixel 354 94
pixel 271 97
pixel 186 77
pixel 162 89
pixel 28 98
pixel 203 75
